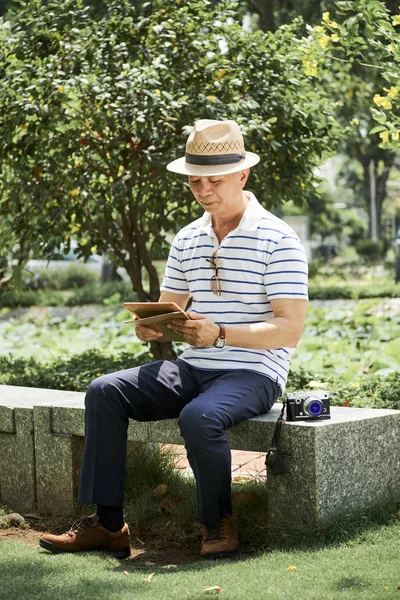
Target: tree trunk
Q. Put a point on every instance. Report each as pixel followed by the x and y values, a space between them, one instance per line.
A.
pixel 381 191
pixel 4 281
pixel 265 11
pixel 380 187
pixel 163 351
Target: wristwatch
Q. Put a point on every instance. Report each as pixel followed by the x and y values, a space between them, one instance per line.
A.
pixel 221 339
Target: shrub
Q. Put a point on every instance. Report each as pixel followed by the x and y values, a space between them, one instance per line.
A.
pixel 75 373
pixel 369 251
pixel 72 373
pixel 67 278
pixel 26 298
pixel 329 293
pixel 298 379
pixel 88 294
pixel 359 292
pixel 314 267
pixel 373 391
pixel 97 294
pixel 386 291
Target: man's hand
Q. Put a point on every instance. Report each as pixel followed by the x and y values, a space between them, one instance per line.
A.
pixel 146 334
pixel 198 331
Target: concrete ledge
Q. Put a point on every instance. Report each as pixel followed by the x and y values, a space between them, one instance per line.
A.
pixel 29 469
pixel 342 465
pixel 17 463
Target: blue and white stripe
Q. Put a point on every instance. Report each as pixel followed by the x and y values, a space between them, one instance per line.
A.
pixel 262 259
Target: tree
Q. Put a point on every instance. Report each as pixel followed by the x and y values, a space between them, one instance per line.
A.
pixel 352 85
pixel 344 61
pixel 92 110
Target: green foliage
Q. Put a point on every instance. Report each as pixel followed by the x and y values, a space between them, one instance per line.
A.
pixel 114 292
pixel 329 292
pixel 299 378
pixel 367 35
pixel 343 54
pixel 69 278
pixel 373 391
pixel 369 251
pixel 79 296
pixel 67 373
pixel 75 373
pixel 17 298
pixel 351 348
pixel 92 110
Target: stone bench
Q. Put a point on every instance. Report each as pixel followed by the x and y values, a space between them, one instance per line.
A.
pixel 339 466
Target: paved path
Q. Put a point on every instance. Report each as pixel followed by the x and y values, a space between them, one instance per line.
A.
pixel 244 464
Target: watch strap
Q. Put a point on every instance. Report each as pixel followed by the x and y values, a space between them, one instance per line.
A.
pixel 222 331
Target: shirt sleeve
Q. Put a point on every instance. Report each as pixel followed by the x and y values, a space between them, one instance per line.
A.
pixel 174 277
pixel 286 275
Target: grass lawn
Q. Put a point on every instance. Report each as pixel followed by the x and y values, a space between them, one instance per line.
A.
pixel 365 567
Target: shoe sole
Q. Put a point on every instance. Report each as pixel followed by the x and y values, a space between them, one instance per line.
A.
pixel 225 554
pixel 120 553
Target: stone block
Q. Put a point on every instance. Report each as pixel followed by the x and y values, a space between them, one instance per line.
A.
pixel 255 435
pixel 165 432
pixel 7 422
pixel 58 458
pixel 23 455
pixel 339 466
pixel 17 459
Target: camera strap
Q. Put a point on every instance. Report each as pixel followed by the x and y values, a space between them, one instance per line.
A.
pixel 274 458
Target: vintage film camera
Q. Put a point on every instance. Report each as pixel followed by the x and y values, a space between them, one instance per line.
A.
pixel 302 406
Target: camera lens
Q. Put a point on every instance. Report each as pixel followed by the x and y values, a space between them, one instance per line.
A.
pixel 313 407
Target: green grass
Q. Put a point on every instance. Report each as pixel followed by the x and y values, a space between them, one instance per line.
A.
pixel 365 568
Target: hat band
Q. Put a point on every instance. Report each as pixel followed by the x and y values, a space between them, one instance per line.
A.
pixel 220 159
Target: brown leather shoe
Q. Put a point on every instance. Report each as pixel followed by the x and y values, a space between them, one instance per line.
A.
pixel 221 540
pixel 87 534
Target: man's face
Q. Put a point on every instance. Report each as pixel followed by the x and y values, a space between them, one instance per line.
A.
pixel 219 193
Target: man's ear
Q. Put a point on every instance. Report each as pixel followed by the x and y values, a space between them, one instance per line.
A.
pixel 244 175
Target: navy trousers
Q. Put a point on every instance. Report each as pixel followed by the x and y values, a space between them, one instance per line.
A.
pixel 207 402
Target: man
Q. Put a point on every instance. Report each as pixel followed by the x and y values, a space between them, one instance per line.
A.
pixel 246 272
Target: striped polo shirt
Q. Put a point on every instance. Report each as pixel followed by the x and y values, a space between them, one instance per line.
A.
pixel 260 260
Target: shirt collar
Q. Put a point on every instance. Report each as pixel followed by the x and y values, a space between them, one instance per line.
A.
pixel 249 221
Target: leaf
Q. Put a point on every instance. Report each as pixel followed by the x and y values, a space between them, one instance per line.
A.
pixel 377 129
pixel 160 490
pixel 214 588
pixel 241 479
pixel 345 5
pixel 167 504
pixel 292 568
pixel 149 578
pixel 378 115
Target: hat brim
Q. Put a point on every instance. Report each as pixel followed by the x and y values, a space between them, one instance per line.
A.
pixel 183 168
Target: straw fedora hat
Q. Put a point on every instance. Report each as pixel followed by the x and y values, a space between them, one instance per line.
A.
pixel 214 148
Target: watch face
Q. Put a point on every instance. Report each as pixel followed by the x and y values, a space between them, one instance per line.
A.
pixel 219 343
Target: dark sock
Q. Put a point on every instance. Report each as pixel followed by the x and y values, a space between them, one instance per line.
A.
pixel 111 517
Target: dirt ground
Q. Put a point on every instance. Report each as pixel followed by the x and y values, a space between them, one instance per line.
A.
pixel 143 554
